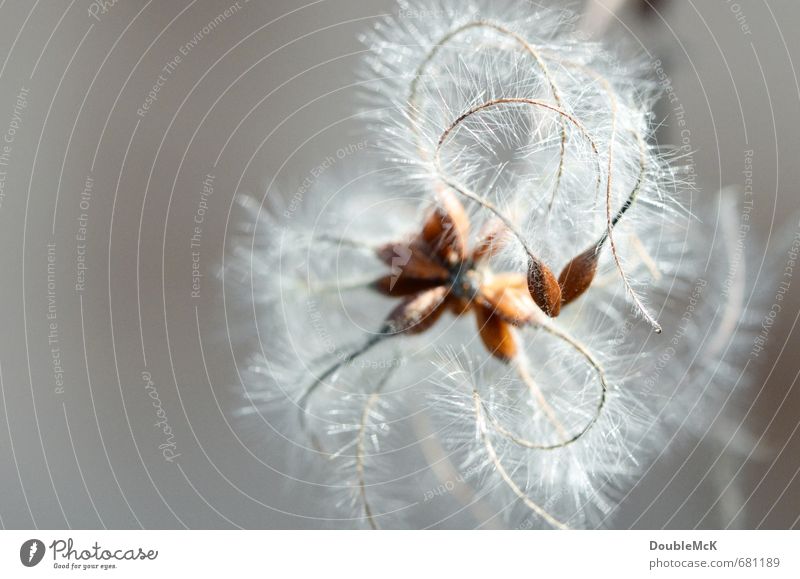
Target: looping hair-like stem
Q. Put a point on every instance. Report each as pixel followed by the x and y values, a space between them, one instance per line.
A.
pixel 412 109
pixel 612 221
pixel 372 399
pixel 466 192
pixel 480 420
pixel 528 380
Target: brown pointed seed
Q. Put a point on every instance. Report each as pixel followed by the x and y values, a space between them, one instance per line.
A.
pixel 493 238
pixel 458 306
pixel 411 260
pixel 446 230
pixel 543 287
pixel 417 313
pixel 507 295
pixel 577 275
pixel 399 286
pixel 496 334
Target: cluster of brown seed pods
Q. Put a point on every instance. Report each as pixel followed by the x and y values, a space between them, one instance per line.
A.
pixel 442 274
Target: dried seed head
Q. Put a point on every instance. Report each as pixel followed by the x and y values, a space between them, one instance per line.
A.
pixel 577 275
pixel 544 288
pixel 527 95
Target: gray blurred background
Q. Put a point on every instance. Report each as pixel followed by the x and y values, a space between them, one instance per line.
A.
pixel 100 191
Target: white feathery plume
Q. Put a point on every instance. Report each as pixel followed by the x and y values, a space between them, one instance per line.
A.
pixel 551 138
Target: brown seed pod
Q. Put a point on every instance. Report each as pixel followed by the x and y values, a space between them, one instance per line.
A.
pixel 491 241
pixel 417 313
pixel 399 286
pixel 411 261
pixel 446 229
pixel 544 288
pixel 495 334
pixel 577 275
pixel 506 294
